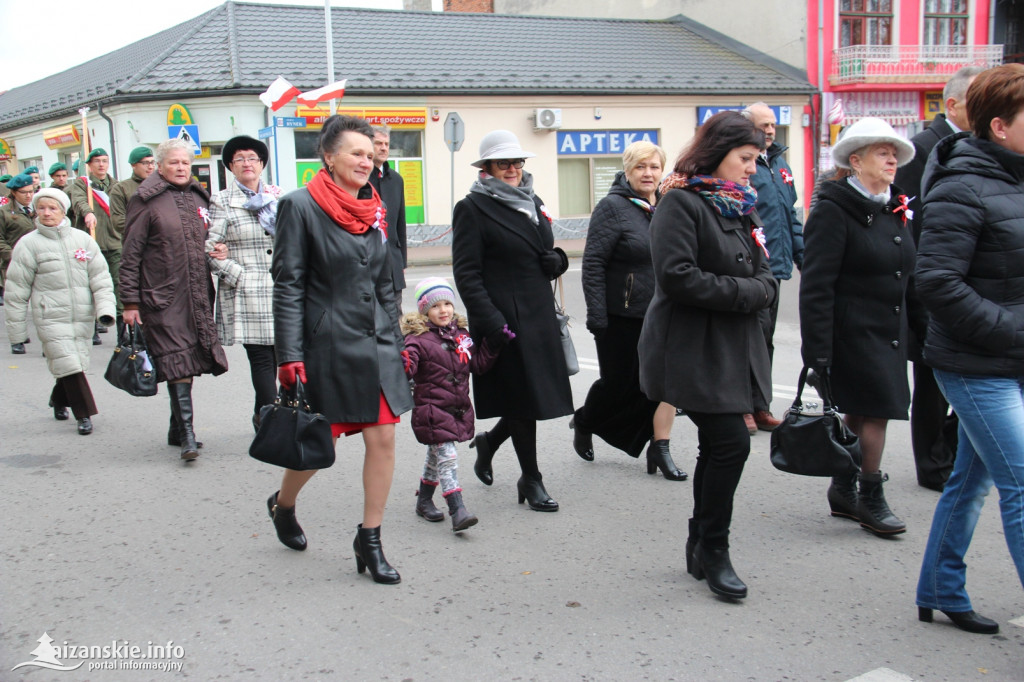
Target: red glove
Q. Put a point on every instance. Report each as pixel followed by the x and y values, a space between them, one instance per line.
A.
pixel 289 371
pixel 407 361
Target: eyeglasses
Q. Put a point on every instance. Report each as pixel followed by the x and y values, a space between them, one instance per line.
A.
pixel 248 160
pixel 503 164
pixel 151 162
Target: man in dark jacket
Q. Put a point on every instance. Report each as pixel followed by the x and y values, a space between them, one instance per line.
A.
pixel 776 200
pixel 391 188
pixel 932 426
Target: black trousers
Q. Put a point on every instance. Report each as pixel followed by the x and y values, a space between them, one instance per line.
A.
pixel 263 368
pixel 616 409
pixel 723 448
pixel 73 391
pixel 933 429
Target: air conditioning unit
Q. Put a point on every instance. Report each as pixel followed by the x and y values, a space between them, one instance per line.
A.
pixel 547 119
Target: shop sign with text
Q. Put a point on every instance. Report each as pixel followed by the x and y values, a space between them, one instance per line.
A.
pixel 398 118
pixel 64 136
pixel 589 142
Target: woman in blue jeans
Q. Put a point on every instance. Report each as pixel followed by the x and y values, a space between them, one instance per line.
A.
pixel 970 275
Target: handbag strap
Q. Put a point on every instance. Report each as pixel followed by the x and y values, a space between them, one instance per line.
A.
pixel 825 391
pixel 558 293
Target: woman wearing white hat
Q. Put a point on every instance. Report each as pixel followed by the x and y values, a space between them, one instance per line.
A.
pixel 858 259
pixel 504 260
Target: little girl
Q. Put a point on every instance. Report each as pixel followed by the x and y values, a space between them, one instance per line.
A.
pixel 439 355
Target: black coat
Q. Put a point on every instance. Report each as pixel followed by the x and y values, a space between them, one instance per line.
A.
pixel 391 188
pixel 971 261
pixel 335 310
pixel 858 258
pixel 702 348
pixel 497 263
pixel 617 275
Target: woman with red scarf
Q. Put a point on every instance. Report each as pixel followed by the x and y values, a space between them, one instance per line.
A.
pixel 336 325
pixel 702 348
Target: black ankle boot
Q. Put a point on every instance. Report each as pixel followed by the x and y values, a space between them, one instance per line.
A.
pixel 461 519
pixel 968 621
pixel 714 564
pixel 582 441
pixel 484 454
pixel 872 509
pixel 84 426
pixel 370 555
pixel 174 432
pixel 181 404
pixel 532 490
pixel 658 457
pixel 289 532
pixel 425 503
pixel 59 413
pixel 842 496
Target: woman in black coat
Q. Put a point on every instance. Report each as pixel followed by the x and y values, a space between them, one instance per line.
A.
pixel 504 261
pixel 618 283
pixel 336 326
pixel 858 259
pixel 702 348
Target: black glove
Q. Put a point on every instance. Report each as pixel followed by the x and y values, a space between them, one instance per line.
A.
pixel 598 332
pixel 554 262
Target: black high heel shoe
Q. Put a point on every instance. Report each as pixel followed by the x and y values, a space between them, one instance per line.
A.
pixel 532 491
pixel 582 442
pixel 968 621
pixel 714 564
pixel 369 554
pixel 484 454
pixel 658 457
pixel 289 532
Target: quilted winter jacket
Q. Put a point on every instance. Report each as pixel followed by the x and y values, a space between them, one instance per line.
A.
pixel 61 273
pixel 618 278
pixel 443 411
pixel 776 198
pixel 970 263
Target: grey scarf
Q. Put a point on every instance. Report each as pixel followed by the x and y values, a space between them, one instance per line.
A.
pixel 882 198
pixel 517 198
pixel 263 204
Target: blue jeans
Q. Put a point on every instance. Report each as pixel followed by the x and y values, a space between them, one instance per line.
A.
pixel 991 450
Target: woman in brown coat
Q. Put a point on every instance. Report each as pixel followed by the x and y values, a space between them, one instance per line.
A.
pixel 166 284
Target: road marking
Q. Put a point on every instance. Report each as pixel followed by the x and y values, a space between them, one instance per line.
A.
pixel 882 675
pixel 1019 622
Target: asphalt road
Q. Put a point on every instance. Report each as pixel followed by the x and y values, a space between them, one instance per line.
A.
pixel 110 538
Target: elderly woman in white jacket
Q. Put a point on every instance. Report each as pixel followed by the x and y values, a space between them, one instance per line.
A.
pixel 60 272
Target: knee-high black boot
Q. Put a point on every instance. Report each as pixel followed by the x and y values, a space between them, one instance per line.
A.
pixel 369 554
pixel 181 404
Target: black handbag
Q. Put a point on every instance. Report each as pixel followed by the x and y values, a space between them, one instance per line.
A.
pixel 811 444
pixel 130 368
pixel 572 363
pixel 291 435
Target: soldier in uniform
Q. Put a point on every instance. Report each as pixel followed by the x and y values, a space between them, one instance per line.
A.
pixel 4 179
pixel 141 160
pixel 16 220
pixel 96 218
pixel 60 179
pixel 33 172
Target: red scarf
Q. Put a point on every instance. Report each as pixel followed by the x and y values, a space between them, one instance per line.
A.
pixel 354 215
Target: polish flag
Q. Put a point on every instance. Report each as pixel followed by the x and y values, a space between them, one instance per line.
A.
pixel 98 195
pixel 332 91
pixel 278 94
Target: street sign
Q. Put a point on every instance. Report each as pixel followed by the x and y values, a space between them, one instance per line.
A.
pixel 189 133
pixel 266 133
pixel 289 122
pixel 454 132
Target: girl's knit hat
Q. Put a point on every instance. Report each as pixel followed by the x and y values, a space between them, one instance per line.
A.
pixel 431 290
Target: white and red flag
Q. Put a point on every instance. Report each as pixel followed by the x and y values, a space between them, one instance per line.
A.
pixel 278 94
pixel 314 97
pixel 99 195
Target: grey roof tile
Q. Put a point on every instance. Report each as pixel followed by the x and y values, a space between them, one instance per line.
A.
pixel 241 47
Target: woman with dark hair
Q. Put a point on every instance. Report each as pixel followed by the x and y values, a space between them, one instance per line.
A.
pixel 504 259
pixel 702 348
pixel 242 217
pixel 336 326
pixel 970 275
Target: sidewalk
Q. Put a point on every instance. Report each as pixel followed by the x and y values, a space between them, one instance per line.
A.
pixel 442 255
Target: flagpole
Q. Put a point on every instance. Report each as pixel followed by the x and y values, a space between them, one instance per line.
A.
pixel 330 51
pixel 81 163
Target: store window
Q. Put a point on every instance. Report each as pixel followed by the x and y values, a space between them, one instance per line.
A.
pixel 865 22
pixel 945 22
pixel 587 163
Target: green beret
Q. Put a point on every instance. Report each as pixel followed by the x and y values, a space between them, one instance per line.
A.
pixel 99 151
pixel 56 167
pixel 138 154
pixel 5 178
pixel 30 170
pixel 74 166
pixel 19 181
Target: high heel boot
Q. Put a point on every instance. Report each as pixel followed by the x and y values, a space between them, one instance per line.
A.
pixel 484 454
pixel 370 555
pixel 658 457
pixel 181 404
pixel 582 441
pixel 532 491
pixel 842 496
pixel 714 564
pixel 425 502
pixel 691 545
pixel 174 431
pixel 968 621
pixel 461 518
pixel 872 509
pixel 289 532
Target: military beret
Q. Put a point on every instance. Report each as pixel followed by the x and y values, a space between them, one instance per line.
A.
pixel 19 181
pixel 56 167
pixel 31 169
pixel 139 153
pixel 5 178
pixel 74 166
pixel 99 151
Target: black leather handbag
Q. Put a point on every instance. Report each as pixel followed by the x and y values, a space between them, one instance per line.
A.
pixel 130 368
pixel 811 444
pixel 291 435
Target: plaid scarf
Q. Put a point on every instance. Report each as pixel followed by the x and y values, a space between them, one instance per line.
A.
pixel 729 199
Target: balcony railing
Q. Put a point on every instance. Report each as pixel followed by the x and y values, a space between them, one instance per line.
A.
pixel 908 63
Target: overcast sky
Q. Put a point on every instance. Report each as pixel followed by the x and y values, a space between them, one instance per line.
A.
pixel 44 38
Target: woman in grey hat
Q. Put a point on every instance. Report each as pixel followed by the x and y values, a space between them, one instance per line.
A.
pixel 504 260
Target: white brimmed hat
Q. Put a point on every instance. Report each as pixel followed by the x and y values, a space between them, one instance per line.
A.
pixel 500 144
pixel 866 132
